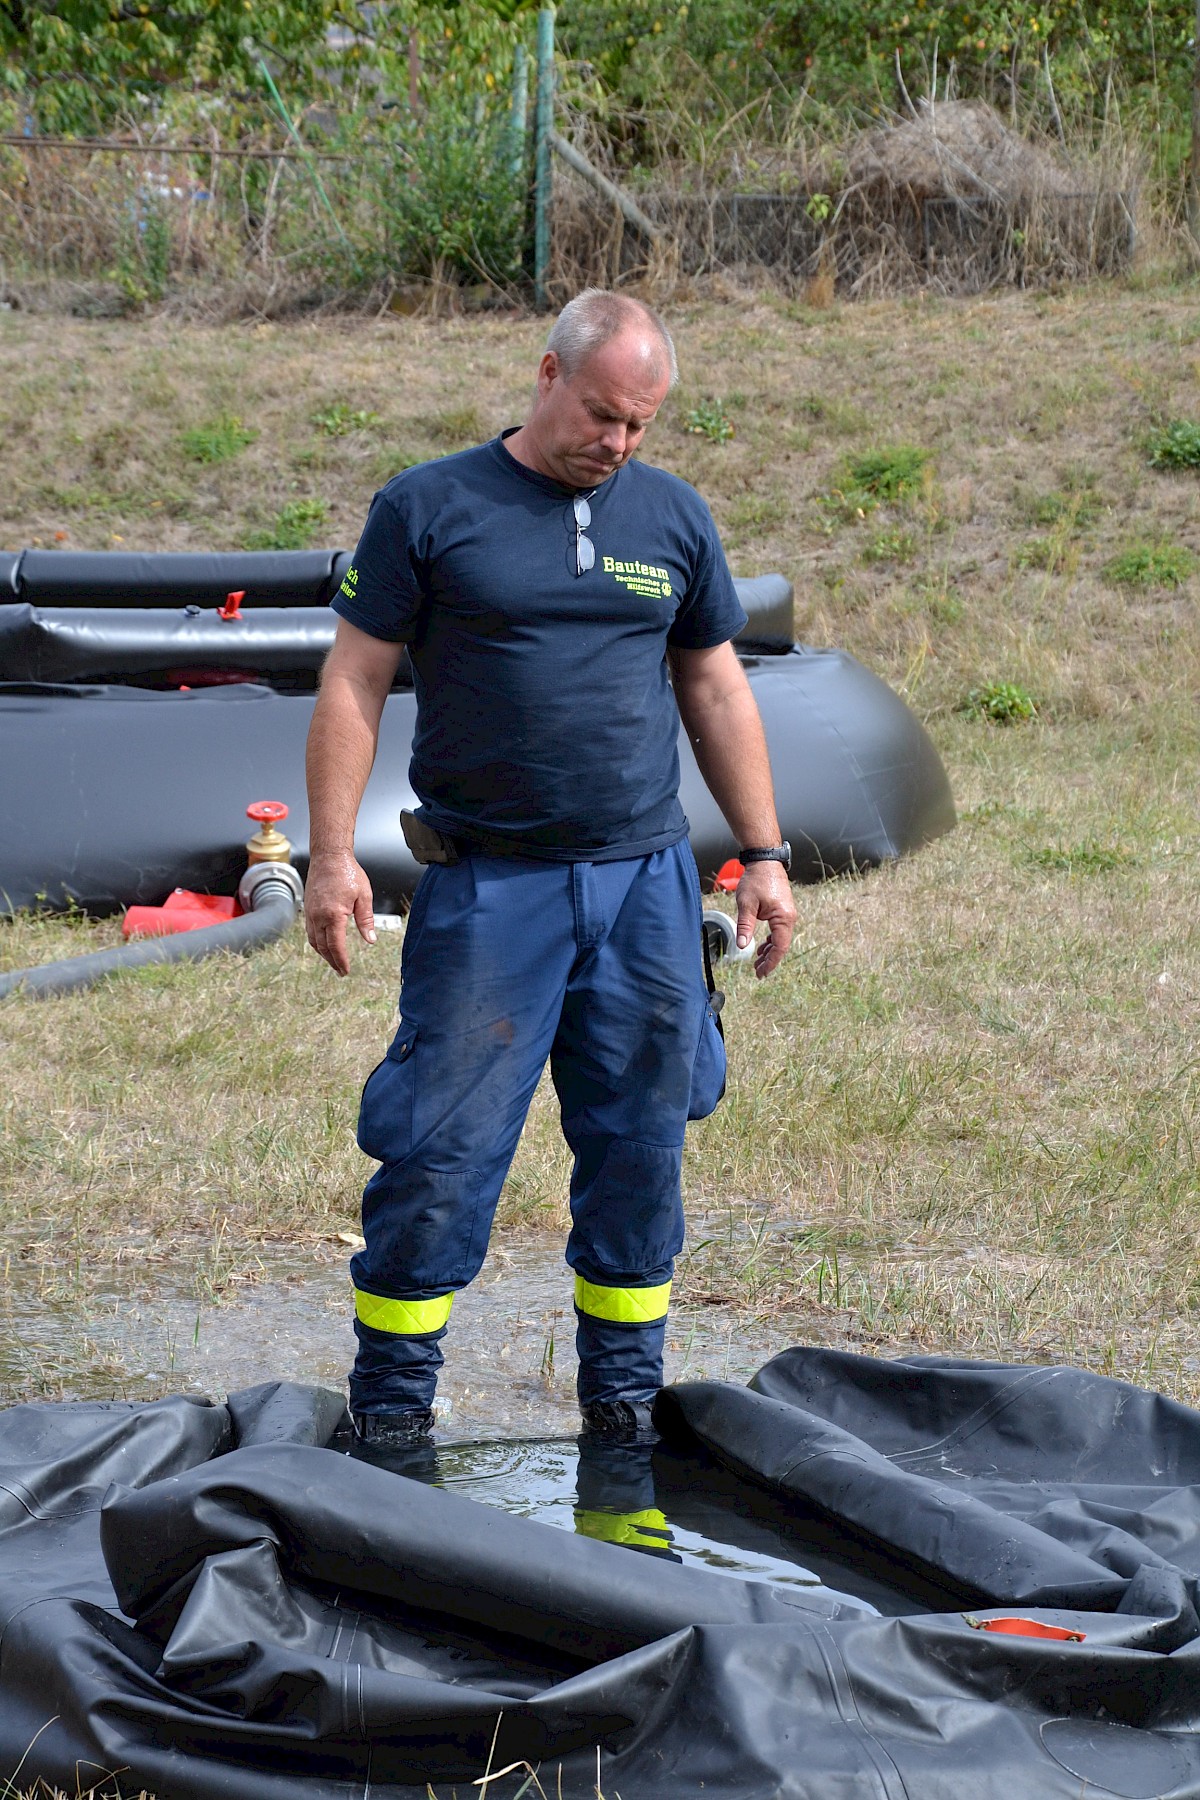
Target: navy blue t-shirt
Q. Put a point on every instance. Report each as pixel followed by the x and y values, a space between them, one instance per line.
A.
pixel 546 725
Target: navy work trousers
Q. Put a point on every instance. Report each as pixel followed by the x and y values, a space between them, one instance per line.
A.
pixel 508 962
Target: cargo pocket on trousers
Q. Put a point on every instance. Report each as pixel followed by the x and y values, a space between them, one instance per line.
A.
pixel 385 1112
pixel 708 1069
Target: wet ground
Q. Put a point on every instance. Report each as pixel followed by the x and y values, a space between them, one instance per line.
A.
pixel 145 1325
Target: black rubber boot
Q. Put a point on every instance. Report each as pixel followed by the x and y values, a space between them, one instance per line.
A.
pixel 392 1430
pixel 621 1421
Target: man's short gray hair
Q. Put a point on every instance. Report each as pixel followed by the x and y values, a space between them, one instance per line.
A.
pixel 597 316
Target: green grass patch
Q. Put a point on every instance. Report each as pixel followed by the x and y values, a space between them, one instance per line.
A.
pixel 1067 508
pixel 1176 446
pixel 1151 565
pixel 874 478
pixel 457 428
pixel 1039 553
pixel 887 475
pixel 708 419
pixel 339 420
pixel 1088 858
pixel 894 544
pixel 1000 703
pixel 217 440
pixel 756 512
pixel 296 527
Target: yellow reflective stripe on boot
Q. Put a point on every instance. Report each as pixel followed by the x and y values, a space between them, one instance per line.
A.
pixel 645 1530
pixel 407 1318
pixel 623 1306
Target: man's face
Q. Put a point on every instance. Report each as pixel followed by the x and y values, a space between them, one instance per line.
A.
pixel 586 425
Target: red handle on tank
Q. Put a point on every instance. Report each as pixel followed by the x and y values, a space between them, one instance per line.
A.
pixel 1033 1628
pixel 266 812
pixel 232 608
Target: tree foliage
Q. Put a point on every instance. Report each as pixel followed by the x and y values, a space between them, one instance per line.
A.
pixel 77 62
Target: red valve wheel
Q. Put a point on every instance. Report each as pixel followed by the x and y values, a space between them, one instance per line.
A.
pixel 266 812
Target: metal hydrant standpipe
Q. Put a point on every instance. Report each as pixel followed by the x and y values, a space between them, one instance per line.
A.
pixel 270 894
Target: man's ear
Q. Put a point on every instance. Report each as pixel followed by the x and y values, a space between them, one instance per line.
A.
pixel 549 371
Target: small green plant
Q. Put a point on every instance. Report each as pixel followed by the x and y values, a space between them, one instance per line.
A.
pixel 1000 703
pixel 1177 446
pixel 295 528
pixel 819 207
pixel 1151 565
pixel 894 544
pixel 1067 507
pixel 1088 858
pixel 339 420
pixel 217 440
pixel 1039 553
pixel 709 419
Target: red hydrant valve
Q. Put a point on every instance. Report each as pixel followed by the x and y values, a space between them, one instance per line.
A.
pixel 267 844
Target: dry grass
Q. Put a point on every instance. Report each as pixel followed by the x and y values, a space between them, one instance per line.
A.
pixel 964 1115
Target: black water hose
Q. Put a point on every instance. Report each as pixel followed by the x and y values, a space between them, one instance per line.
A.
pixel 273 899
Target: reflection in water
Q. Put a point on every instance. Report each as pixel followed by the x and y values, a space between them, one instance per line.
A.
pixel 655 1501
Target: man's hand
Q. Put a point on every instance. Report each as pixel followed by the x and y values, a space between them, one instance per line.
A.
pixel 337 890
pixel 765 893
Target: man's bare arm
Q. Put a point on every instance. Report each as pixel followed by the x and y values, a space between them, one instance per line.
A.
pixel 355 682
pixel 722 722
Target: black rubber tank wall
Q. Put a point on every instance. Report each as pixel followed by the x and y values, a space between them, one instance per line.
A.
pixel 125 643
pixel 212 1601
pixel 264 578
pixel 150 578
pixel 115 795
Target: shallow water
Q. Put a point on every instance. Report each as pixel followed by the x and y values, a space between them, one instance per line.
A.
pixel 145 1325
pixel 657 1502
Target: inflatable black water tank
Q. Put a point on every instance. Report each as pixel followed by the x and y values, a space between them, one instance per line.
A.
pixel 132 737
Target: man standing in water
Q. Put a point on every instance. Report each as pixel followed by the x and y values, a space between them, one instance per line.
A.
pixel 563 606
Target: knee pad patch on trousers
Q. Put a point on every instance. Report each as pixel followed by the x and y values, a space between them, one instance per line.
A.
pixel 430 1223
pixel 626 1207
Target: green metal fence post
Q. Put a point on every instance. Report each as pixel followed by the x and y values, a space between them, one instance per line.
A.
pixel 542 174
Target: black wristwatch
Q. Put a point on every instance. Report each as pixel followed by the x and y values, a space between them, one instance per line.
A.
pixel 780 853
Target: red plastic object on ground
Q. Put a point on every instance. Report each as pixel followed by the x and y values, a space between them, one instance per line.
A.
pixel 727 876
pixel 180 911
pixel 1028 1628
